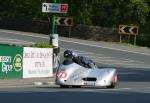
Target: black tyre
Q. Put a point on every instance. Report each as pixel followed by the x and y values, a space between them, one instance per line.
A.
pixel 76 86
pixel 64 86
pixel 111 86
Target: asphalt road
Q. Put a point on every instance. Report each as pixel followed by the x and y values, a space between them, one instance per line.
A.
pixel 82 95
pixel 132 64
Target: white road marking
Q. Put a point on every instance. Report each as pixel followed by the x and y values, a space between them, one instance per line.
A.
pixel 25 34
pixel 16 86
pixel 38 83
pixel 123 64
pixel 121 89
pixel 112 61
pixel 85 89
pixel 105 47
pixel 117 61
pixel 43 83
pixel 14 40
pixel 102 62
pixel 29 85
pixel 18 42
pixel 106 89
pixel 100 57
pixel 126 73
pixel 46 37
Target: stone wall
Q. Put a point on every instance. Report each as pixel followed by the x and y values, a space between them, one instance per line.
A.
pixel 25 25
pixel 94 33
pixel 77 31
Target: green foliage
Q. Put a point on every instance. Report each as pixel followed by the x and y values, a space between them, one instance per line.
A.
pixel 43 45
pixel 26 9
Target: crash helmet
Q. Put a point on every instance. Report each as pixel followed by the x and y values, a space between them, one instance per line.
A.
pixel 74 54
pixel 68 54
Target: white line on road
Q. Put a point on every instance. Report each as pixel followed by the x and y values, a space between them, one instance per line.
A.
pixel 15 41
pixel 123 62
pixel 102 57
pixel 127 65
pixel 105 47
pixel 46 37
pixel 117 61
pixel 16 86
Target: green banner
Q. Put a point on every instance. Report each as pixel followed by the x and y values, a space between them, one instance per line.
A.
pixel 11 62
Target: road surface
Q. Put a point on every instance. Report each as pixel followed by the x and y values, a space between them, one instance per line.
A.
pixel 132 64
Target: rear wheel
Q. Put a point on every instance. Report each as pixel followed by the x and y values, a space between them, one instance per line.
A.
pixel 114 82
pixel 112 85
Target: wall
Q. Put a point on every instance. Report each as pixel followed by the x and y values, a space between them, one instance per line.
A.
pixel 77 31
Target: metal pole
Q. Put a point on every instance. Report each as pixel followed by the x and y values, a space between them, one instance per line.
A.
pixel 129 39
pixel 135 40
pixel 53 25
pixel 120 38
pixel 70 32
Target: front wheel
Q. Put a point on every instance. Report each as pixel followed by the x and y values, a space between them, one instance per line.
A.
pixel 77 86
pixel 64 86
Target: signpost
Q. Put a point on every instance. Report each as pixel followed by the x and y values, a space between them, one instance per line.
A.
pixel 54 8
pixel 64 21
pixel 63 8
pixel 128 30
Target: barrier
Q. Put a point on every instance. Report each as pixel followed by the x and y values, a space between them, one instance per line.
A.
pixel 25 62
pixel 37 62
pixel 11 65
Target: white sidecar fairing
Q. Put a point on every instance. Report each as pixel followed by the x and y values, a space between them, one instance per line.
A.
pixel 76 75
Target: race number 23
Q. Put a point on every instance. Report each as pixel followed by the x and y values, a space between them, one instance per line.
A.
pixel 61 74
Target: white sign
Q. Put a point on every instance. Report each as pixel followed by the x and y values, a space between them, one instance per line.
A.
pixel 54 8
pixel 55 40
pixel 37 62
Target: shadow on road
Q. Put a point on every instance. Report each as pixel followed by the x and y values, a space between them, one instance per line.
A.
pixel 73 97
pixel 134 74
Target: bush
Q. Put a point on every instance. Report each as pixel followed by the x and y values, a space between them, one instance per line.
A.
pixel 43 45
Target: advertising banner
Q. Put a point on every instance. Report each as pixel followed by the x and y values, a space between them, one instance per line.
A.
pixel 37 62
pixel 11 65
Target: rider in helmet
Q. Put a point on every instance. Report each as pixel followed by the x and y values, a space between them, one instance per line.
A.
pixel 68 54
pixel 71 57
pixel 74 57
